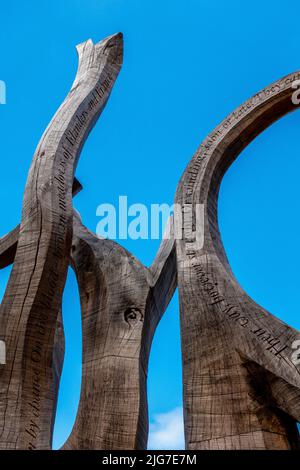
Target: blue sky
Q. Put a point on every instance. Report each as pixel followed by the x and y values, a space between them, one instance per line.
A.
pixel 187 64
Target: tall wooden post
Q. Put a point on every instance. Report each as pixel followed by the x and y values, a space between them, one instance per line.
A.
pixel 28 314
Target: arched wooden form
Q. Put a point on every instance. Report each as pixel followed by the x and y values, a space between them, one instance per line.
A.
pixel 241 387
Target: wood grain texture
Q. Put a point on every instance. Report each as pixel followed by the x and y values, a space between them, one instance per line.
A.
pixel 29 311
pixel 241 388
pixel 8 248
pixel 122 302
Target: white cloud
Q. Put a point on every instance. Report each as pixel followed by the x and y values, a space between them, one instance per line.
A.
pixel 167 432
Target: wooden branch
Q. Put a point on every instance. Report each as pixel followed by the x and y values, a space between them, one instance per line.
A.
pixel 33 297
pixel 122 303
pixel 226 337
pixel 8 248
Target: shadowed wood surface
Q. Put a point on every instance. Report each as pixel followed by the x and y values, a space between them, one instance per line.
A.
pixel 32 300
pixel 122 302
pixel 241 387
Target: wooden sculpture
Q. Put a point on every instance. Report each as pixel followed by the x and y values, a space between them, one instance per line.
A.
pixel 241 382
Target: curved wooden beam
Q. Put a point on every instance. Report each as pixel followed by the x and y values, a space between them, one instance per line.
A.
pixel 225 335
pixel 122 302
pixel 33 296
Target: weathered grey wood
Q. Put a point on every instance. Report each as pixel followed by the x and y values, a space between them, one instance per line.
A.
pixel 8 248
pixel 32 300
pixel 122 303
pixel 241 388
